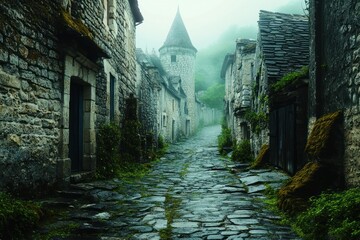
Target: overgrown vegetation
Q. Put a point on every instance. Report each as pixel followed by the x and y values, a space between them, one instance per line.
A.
pixel 17 218
pixel 290 78
pixel 120 152
pixel 332 216
pixel 108 152
pixel 213 96
pixel 131 142
pixel 172 204
pixel 257 120
pixel 242 152
pixel 224 139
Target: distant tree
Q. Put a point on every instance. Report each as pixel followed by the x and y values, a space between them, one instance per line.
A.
pixel 214 96
pixel 200 84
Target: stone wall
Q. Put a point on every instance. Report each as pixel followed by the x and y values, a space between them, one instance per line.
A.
pixel 43 50
pixel 30 97
pixel 335 72
pixel 147 90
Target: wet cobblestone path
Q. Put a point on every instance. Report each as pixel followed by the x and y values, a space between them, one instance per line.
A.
pixel 189 194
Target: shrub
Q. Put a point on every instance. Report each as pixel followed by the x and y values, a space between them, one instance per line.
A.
pixel 108 152
pixel 257 120
pixel 161 146
pixel 242 152
pixel 131 140
pixel 224 140
pixel 17 218
pixel 332 216
pixel 290 78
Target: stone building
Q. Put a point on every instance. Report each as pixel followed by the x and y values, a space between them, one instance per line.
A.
pixel 65 68
pixel 335 75
pixel 238 74
pixel 161 98
pixel 283 47
pixel 177 56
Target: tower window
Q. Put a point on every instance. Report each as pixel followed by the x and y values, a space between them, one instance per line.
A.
pixel 173 58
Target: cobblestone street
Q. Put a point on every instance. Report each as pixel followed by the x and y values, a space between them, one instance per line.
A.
pixel 190 194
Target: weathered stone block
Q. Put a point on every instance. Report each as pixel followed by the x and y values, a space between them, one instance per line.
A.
pixel 4 56
pixel 9 80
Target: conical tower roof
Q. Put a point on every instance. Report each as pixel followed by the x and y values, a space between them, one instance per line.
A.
pixel 178 35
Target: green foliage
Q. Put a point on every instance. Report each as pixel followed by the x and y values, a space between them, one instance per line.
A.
pixel 131 141
pixel 332 216
pixel 242 152
pixel 290 78
pixel 224 140
pixel 17 218
pixel 130 171
pixel 107 150
pixel 214 96
pixel 257 120
pixel 172 204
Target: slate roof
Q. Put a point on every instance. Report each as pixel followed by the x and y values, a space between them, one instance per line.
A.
pixel 178 35
pixel 284 42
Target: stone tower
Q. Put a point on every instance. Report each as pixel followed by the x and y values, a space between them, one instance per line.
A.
pixel 177 56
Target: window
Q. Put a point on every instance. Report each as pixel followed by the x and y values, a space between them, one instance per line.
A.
pixel 164 121
pixel 173 58
pixel 112 97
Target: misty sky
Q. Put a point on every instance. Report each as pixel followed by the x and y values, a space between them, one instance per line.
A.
pixel 205 20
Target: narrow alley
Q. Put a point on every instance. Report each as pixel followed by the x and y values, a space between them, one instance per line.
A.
pixel 189 194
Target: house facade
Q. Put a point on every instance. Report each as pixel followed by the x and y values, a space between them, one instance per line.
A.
pixel 335 76
pixel 283 48
pixel 238 74
pixel 65 68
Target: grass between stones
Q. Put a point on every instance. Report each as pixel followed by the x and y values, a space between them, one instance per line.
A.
pixel 184 170
pixel 172 205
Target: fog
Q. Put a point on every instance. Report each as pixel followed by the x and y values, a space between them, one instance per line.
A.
pixel 213 26
pixel 205 20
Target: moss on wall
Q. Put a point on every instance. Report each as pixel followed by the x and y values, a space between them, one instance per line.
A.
pixel 75 24
pixel 311 180
pixel 318 145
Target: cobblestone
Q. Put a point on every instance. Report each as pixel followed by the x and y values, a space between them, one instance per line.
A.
pixel 212 200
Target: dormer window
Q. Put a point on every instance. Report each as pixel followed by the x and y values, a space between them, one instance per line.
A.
pixel 173 58
pixel 109 19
